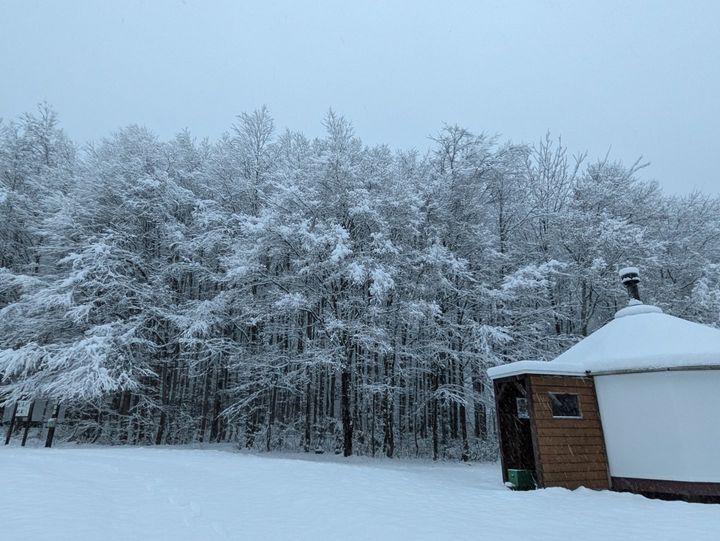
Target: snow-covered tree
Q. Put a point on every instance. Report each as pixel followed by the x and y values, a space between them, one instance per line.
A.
pixel 318 294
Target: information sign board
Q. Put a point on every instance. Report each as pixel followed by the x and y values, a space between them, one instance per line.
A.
pixel 23 408
pixel 38 411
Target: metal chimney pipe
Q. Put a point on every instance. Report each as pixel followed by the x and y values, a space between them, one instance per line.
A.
pixel 630 277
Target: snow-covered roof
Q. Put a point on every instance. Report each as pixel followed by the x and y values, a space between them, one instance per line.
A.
pixel 640 338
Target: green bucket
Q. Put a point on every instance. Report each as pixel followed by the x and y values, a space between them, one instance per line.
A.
pixel 521 479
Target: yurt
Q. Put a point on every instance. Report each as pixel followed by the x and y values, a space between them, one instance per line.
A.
pixel 634 407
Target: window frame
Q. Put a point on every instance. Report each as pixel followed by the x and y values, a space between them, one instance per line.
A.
pixel 577 398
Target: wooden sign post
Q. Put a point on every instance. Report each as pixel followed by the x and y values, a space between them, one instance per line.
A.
pixel 51 425
pixel 8 434
pixel 27 415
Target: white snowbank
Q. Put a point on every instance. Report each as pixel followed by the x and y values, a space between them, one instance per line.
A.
pixel 177 494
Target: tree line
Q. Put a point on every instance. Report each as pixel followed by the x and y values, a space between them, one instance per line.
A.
pixel 317 294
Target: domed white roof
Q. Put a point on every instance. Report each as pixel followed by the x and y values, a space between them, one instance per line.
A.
pixel 640 338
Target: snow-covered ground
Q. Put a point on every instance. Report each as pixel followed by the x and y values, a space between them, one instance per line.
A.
pixel 127 494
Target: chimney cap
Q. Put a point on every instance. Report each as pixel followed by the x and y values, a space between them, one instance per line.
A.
pixel 629 274
pixel 628 270
pixel 630 278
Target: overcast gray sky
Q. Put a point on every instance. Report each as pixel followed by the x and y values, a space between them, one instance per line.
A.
pixel 640 76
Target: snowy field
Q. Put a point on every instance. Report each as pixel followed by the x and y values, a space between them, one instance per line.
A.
pixel 96 494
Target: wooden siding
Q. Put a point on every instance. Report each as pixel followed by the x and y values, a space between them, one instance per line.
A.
pixel 568 452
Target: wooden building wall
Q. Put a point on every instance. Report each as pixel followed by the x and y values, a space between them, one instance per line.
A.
pixel 568 452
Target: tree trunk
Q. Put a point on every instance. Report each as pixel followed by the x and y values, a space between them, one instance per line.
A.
pixel 271 418
pixel 345 412
pixel 434 411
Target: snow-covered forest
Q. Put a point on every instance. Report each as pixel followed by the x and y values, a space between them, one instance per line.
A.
pixel 291 293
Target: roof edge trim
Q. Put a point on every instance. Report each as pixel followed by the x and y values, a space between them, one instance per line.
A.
pixel 691 368
pixel 535 367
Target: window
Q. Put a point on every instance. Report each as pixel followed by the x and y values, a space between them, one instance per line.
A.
pixel 522 408
pixel 565 405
